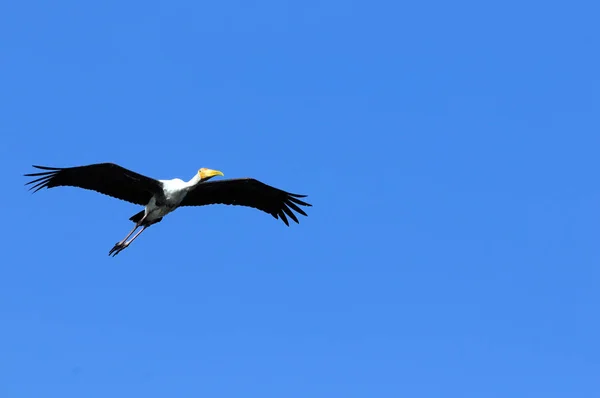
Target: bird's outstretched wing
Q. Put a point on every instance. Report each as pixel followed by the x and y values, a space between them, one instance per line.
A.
pixel 106 178
pixel 250 193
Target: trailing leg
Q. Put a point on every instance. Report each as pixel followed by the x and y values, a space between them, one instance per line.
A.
pixel 121 244
pixel 119 247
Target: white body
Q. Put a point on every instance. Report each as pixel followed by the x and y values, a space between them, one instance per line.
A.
pixel 175 191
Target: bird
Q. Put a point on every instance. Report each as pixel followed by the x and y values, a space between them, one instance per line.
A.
pixel 161 197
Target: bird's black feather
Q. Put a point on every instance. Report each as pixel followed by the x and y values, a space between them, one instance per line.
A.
pixel 247 192
pixel 106 178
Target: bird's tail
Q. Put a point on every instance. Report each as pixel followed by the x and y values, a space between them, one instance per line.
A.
pixel 137 217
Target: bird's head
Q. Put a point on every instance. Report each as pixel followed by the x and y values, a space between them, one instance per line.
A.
pixel 206 174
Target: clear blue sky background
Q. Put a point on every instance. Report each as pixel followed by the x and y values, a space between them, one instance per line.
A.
pixel 450 150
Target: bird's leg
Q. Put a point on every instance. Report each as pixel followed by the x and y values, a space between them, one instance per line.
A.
pixel 116 250
pixel 122 242
pixel 136 235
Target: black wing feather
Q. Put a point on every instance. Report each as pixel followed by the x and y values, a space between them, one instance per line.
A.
pixel 106 178
pixel 250 193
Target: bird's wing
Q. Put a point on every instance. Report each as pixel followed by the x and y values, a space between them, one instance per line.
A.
pixel 106 178
pixel 250 193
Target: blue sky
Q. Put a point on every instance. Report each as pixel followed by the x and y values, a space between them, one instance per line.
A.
pixel 450 151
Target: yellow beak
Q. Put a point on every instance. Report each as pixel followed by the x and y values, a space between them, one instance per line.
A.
pixel 206 173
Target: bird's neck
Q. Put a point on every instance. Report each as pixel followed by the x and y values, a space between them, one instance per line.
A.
pixel 191 184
